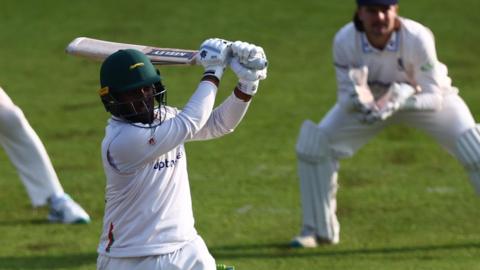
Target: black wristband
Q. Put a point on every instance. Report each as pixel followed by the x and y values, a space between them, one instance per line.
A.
pixel 241 95
pixel 211 78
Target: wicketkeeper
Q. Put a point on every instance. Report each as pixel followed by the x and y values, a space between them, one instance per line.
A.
pixel 148 222
pixel 387 73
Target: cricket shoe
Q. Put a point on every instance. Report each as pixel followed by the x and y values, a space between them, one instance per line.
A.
pixel 309 241
pixel 64 209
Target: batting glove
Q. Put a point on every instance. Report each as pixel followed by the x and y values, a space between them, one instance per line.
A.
pixel 248 79
pixel 214 55
pixel 249 55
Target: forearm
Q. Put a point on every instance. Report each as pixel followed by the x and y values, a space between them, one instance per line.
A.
pixel 198 109
pixel 225 118
pixel 354 93
pixel 344 100
pixel 345 89
pixel 424 102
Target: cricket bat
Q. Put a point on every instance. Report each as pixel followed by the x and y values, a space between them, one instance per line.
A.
pixel 97 49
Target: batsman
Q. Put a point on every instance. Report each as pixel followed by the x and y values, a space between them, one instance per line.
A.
pixel 148 221
pixel 387 73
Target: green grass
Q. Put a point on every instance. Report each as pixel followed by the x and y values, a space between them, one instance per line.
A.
pixel 403 202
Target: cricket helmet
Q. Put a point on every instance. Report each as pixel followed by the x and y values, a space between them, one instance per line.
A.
pixel 129 84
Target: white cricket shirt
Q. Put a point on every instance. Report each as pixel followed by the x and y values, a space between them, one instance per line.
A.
pixel 148 208
pixel 409 57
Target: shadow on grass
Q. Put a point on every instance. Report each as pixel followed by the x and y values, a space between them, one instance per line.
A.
pixel 263 251
pixel 23 222
pixel 274 250
pixel 48 261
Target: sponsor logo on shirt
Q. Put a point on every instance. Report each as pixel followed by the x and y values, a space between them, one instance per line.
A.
pixel 167 163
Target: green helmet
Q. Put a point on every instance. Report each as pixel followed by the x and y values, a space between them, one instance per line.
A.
pixel 127 70
pixel 129 84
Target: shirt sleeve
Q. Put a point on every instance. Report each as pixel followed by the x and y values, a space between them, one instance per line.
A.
pixel 342 63
pixel 428 73
pixel 224 119
pixel 136 145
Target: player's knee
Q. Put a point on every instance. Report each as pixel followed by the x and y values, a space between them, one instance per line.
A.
pixel 313 143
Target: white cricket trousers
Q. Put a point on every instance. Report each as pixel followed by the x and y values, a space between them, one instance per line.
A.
pixel 347 135
pixel 193 256
pixel 27 153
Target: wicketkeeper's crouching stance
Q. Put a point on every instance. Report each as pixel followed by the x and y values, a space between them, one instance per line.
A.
pixel 387 73
pixel 148 222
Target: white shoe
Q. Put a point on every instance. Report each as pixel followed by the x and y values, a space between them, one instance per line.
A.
pixel 64 209
pixel 308 241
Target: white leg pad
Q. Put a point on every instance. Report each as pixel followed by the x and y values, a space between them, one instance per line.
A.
pixel 468 146
pixel 312 144
pixel 318 183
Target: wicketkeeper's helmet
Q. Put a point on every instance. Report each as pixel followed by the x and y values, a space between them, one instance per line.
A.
pixel 129 84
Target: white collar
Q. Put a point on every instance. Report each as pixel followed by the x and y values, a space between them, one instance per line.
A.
pixel 392 45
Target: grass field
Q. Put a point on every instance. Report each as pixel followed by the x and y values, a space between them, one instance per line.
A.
pixel 403 203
